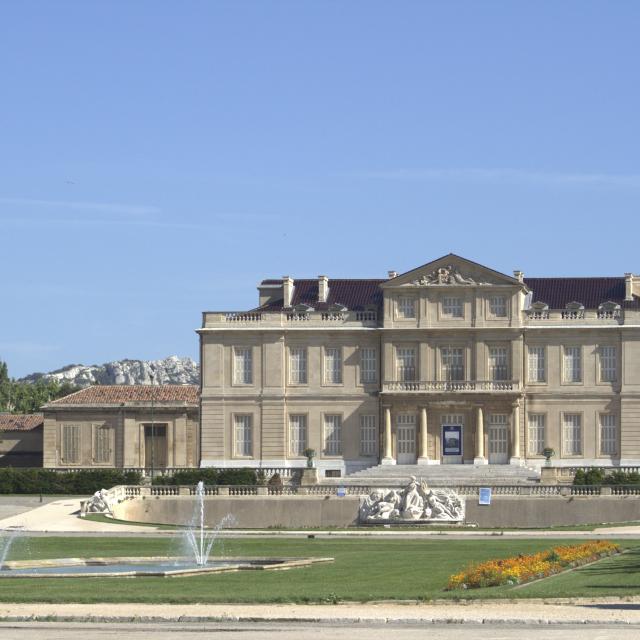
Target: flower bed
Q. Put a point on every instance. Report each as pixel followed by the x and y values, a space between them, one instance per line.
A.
pixel 520 569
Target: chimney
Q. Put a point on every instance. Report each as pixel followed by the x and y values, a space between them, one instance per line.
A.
pixel 519 276
pixel 287 290
pixel 323 288
pixel 392 274
pixel 628 286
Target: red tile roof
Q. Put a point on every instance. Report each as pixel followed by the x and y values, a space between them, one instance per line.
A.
pixel 556 292
pixel 122 394
pixel 20 421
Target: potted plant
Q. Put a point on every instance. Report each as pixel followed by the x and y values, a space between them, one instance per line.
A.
pixel 310 455
pixel 548 453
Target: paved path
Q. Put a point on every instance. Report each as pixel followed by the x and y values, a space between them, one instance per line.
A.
pixel 306 631
pixel 531 612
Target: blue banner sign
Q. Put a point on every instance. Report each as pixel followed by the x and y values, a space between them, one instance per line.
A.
pixel 452 440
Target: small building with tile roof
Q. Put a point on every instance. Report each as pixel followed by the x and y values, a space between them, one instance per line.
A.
pixel 123 426
pixel 21 439
pixel 450 363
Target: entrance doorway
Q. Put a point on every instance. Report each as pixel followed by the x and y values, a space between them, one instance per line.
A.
pixel 155 446
pixel 406 439
pixel 452 438
pixel 498 436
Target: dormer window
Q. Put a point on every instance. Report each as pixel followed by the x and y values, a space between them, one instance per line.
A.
pixel 609 311
pixel 573 311
pixel 539 311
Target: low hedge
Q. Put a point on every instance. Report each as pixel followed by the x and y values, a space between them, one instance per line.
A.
pixel 209 476
pixel 82 482
pixel 598 476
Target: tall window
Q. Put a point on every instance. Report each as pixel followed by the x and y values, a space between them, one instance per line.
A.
pixel 71 443
pixel 536 364
pixel 498 363
pixel 572 364
pixel 242 365
pixel 332 435
pixel 297 434
pixel 406 308
pixel 333 365
pixel 298 365
pixel 406 364
pixel 608 439
pixel 452 363
pixel 368 435
pixel 498 306
pixel 537 425
pixel 102 444
pixel 242 432
pixel 572 433
pixel 452 307
pixel 368 365
pixel 608 363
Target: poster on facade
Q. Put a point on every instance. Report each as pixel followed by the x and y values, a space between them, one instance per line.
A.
pixel 484 496
pixel 452 440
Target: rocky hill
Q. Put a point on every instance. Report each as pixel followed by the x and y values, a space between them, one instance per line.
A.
pixel 171 370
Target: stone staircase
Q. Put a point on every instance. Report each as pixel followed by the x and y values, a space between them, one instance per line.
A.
pixel 444 475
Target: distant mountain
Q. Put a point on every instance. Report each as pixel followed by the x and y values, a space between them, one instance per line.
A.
pixel 171 370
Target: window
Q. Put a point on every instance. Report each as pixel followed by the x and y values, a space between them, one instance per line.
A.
pixel 242 365
pixel 297 434
pixel 298 365
pixel 406 308
pixel 452 363
pixel 406 364
pixel 452 307
pixel 537 424
pixel 572 433
pixel 498 307
pixel 242 435
pixel 608 439
pixel 572 364
pixel 368 365
pixel 332 435
pixel 102 444
pixel 498 363
pixel 368 435
pixel 608 364
pixel 71 443
pixel 333 365
pixel 536 364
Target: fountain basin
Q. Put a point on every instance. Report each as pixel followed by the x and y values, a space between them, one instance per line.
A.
pixel 132 567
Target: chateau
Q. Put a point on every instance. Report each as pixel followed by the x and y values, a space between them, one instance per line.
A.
pixel 450 363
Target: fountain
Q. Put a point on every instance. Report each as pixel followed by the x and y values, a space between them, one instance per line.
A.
pixel 197 539
pixel 5 544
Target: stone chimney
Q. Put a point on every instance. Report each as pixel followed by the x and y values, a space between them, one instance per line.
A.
pixel 323 288
pixel 287 290
pixel 628 286
pixel 392 274
pixel 519 276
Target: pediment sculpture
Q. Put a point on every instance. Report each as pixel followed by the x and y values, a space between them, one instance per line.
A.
pixel 446 275
pixel 415 503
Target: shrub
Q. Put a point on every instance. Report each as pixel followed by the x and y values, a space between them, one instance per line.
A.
pixel 209 476
pixel 48 481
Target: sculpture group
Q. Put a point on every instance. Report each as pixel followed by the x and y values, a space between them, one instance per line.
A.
pixel 416 502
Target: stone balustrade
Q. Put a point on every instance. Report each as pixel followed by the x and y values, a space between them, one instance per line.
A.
pixel 457 386
pixel 574 316
pixel 225 319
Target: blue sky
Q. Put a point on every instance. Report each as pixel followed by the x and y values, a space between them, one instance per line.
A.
pixel 159 158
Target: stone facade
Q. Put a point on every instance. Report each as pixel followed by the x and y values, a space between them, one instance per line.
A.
pixel 369 372
pixel 139 426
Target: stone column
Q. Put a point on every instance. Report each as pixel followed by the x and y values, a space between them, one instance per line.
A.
pixel 515 434
pixel 423 456
pixel 388 451
pixel 479 459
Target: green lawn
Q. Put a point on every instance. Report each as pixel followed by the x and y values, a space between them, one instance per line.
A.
pixel 369 569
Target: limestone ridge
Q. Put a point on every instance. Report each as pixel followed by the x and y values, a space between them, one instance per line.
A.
pixel 171 370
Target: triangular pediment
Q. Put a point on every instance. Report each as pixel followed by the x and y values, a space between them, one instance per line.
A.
pixel 451 270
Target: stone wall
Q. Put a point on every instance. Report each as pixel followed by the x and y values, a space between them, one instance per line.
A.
pixel 253 512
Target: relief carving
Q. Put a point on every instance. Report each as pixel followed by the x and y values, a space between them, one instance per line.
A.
pixel 446 275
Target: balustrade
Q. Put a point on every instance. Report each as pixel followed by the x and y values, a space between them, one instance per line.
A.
pixel 451 386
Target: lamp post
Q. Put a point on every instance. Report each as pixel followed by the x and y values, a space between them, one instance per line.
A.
pixel 153 426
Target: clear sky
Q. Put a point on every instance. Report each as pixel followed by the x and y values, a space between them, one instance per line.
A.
pixel 158 158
